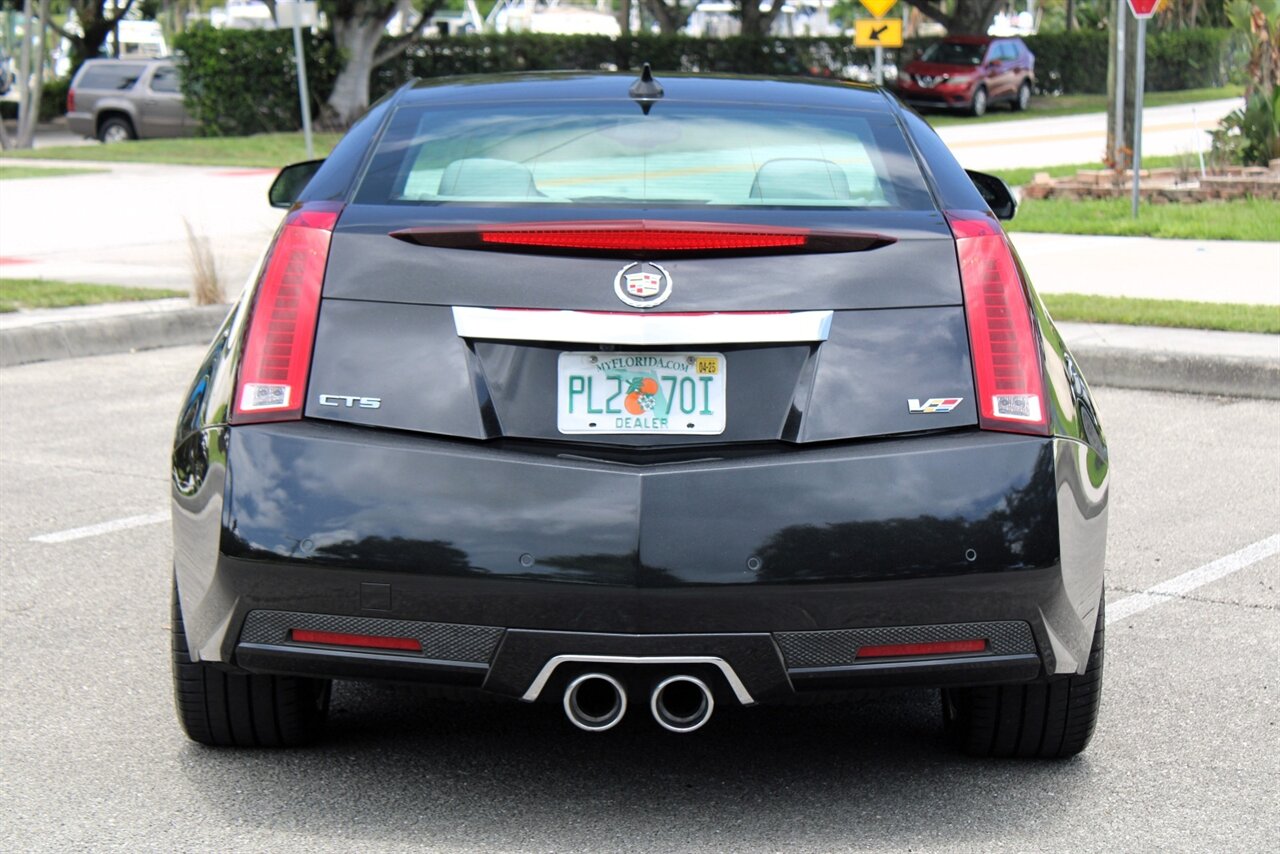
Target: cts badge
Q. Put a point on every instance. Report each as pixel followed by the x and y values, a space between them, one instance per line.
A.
pixel 933 404
pixel 349 401
pixel 642 284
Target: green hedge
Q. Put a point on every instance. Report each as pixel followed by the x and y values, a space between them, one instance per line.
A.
pixel 239 82
pixel 243 81
pixel 1066 63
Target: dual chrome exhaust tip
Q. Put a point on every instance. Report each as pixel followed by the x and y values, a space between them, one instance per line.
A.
pixel 596 702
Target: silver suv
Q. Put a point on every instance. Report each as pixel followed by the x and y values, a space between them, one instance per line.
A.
pixel 119 99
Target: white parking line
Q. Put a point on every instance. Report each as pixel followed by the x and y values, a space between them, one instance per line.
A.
pixel 102 528
pixel 1181 585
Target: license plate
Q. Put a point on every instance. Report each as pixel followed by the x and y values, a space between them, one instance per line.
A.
pixel 610 393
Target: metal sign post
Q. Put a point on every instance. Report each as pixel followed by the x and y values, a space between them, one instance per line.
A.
pixel 878 33
pixel 1138 83
pixel 1117 154
pixel 1142 9
pixel 299 15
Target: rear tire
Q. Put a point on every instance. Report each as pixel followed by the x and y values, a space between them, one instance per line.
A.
pixel 224 709
pixel 1023 99
pixel 979 105
pixel 1048 720
pixel 116 129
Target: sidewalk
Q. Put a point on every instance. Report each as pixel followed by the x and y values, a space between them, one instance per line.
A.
pixel 1236 271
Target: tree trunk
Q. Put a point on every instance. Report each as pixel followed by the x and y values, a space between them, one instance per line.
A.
pixel 624 17
pixel 670 16
pixel 30 114
pixel 358 41
pixel 969 16
pixel 1071 15
pixel 755 22
pixel 972 17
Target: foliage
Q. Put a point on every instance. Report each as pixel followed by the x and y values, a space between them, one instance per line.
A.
pixel 1248 136
pixel 53 101
pixel 1065 62
pixel 1237 219
pixel 11 172
pixel 18 294
pixel 1185 314
pixel 266 150
pixel 244 81
pixel 1251 135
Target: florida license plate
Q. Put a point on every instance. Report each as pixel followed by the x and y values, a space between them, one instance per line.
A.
pixel 610 393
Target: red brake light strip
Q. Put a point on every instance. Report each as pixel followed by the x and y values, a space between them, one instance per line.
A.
pixel 650 238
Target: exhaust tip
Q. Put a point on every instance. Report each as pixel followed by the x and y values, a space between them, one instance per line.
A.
pixel 595 702
pixel 681 703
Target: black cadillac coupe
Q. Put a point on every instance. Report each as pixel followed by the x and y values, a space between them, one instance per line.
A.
pixel 642 395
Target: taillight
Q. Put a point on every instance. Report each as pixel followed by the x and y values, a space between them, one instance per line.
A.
pixel 282 320
pixel 1006 355
pixel 71 100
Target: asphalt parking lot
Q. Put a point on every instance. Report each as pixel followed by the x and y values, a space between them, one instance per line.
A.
pixel 1187 756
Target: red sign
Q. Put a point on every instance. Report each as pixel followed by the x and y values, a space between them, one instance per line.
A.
pixel 1144 8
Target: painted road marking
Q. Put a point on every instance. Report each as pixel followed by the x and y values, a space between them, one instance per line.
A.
pixel 1181 585
pixel 103 528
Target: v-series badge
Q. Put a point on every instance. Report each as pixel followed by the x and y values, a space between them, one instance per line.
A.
pixel 349 401
pixel 933 404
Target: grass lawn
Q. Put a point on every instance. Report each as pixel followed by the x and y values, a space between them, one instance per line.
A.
pixel 11 171
pixel 41 293
pixel 1231 317
pixel 1043 106
pixel 267 150
pixel 1243 219
pixel 1023 175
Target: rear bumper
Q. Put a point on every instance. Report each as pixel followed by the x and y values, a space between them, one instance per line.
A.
pixel 741 556
pixel 81 123
pixel 937 102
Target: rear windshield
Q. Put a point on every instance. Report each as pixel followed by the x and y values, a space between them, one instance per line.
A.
pixel 110 76
pixel 611 153
pixel 954 53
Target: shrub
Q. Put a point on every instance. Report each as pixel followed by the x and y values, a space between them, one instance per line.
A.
pixel 239 82
pixel 243 81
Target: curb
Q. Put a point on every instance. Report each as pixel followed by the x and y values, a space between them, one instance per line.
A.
pixel 1118 367
pixel 126 333
pixel 1153 370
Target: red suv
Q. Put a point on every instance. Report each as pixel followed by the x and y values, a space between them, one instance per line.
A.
pixel 970 73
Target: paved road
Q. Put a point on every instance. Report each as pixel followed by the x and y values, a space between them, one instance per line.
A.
pixel 91 758
pixel 1180 129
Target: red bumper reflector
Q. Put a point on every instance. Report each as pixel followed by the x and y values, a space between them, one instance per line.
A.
pixel 368 641
pixel 640 237
pixel 892 650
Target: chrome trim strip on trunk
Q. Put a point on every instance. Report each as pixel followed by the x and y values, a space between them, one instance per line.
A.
pixel 544 675
pixel 601 327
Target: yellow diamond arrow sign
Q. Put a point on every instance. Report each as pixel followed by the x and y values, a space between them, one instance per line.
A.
pixel 878 7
